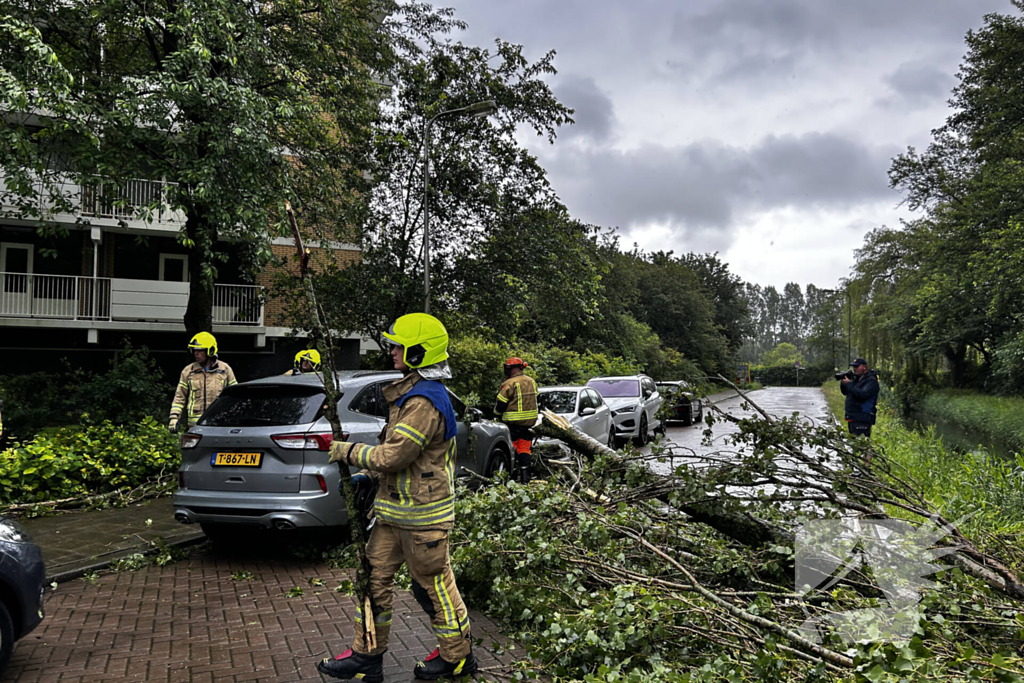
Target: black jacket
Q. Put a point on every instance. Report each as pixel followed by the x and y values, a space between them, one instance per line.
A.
pixel 861 397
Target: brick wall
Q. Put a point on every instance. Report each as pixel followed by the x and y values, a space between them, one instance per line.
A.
pixel 274 313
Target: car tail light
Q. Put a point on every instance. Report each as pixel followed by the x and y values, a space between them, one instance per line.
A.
pixel 320 441
pixel 190 440
pixel 181 480
pixel 323 483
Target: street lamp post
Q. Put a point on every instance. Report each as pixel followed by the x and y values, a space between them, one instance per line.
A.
pixel 475 110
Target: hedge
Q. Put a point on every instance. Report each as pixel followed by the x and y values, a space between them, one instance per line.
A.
pixel 82 461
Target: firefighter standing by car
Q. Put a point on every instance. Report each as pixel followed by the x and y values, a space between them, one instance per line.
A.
pixel 414 508
pixel 516 406
pixel 306 362
pixel 200 383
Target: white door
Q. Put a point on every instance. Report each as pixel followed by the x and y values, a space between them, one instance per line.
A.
pixel 16 290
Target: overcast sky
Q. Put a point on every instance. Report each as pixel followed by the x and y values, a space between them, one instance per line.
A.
pixel 760 129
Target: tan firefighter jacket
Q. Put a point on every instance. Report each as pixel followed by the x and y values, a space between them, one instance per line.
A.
pixel 518 400
pixel 416 464
pixel 198 388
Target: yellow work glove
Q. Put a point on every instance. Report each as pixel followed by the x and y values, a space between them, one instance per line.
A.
pixel 340 451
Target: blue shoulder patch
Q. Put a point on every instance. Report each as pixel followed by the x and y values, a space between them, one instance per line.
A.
pixel 436 393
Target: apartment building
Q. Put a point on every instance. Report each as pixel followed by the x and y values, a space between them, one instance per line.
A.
pixel 113 276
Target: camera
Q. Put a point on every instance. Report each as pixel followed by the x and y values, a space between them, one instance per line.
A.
pixel 840 376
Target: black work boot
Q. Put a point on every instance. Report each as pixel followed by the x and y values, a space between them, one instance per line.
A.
pixel 349 664
pixel 433 667
pixel 525 474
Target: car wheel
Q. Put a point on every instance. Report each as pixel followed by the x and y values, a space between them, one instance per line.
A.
pixel 498 462
pixel 700 412
pixel 6 637
pixel 642 437
pixel 613 443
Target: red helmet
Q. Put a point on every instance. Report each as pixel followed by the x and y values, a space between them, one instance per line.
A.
pixel 514 361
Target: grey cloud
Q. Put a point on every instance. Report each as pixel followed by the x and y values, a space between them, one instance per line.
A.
pixel 594 113
pixel 918 85
pixel 710 186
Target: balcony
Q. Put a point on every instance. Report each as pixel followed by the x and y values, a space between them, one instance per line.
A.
pixel 108 205
pixel 116 300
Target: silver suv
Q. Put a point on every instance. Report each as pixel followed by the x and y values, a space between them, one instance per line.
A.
pixel 634 402
pixel 259 455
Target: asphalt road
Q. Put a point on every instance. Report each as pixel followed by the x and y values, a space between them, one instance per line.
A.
pixel 809 402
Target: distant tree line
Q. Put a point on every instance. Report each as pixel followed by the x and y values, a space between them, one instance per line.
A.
pixel 805 324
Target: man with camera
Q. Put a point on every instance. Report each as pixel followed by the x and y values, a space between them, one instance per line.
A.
pixel 860 386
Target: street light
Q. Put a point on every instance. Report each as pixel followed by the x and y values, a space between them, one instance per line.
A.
pixel 475 110
pixel 849 318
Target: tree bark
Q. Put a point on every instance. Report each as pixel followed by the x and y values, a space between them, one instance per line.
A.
pixel 741 527
pixel 199 313
pixel 955 357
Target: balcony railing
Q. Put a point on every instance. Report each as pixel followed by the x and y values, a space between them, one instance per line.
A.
pixel 237 305
pixel 128 202
pixel 68 297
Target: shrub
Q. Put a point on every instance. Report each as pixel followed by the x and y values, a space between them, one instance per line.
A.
pixel 133 388
pixel 95 458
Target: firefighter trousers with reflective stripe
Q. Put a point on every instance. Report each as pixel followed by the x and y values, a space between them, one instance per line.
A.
pixel 425 553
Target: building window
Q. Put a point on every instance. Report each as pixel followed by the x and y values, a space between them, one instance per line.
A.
pixel 174 267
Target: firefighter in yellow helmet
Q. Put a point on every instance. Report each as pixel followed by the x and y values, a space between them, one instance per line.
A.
pixel 516 406
pixel 200 383
pixel 305 362
pixel 414 509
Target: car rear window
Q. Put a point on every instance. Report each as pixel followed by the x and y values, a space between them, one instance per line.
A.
pixel 264 406
pixel 616 388
pixel 561 402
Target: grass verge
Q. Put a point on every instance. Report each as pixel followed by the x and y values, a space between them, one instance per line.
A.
pixel 956 483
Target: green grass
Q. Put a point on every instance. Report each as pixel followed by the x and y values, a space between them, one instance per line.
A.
pixel 999 418
pixel 957 484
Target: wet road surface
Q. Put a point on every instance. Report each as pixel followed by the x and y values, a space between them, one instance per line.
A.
pixel 809 402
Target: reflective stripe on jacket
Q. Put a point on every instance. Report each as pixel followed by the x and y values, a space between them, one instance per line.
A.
pixel 518 395
pixel 198 388
pixel 416 463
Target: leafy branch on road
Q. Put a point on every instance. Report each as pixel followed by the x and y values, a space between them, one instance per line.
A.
pixel 603 573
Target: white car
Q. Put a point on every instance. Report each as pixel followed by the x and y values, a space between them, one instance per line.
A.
pixel 583 407
pixel 634 402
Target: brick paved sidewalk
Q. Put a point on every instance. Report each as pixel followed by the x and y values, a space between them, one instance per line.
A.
pixel 75 541
pixel 192 622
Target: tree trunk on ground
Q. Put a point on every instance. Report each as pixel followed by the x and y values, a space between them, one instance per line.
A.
pixel 738 526
pixel 199 313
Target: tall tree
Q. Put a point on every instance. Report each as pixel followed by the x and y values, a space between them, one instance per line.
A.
pixel 238 106
pixel 496 226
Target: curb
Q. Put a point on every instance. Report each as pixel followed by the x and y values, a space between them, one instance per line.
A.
pixel 76 572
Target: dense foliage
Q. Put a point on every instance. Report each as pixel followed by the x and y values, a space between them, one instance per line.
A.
pixel 943 292
pixel 95 458
pixel 601 579
pixel 134 388
pixel 203 95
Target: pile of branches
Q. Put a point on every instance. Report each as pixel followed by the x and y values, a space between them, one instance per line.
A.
pixel 685 566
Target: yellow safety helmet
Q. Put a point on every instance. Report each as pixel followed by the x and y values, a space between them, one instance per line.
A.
pixel 205 341
pixel 312 355
pixel 424 337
